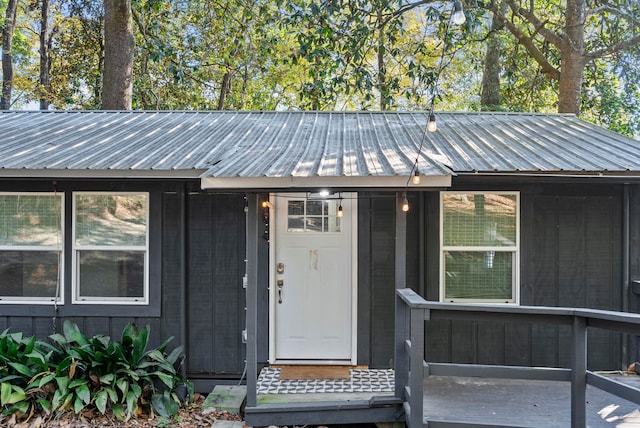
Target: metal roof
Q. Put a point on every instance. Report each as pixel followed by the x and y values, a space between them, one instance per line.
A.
pixel 290 149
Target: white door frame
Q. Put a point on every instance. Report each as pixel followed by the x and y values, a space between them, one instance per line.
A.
pixel 273 199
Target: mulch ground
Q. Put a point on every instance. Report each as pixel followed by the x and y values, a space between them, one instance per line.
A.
pixel 191 415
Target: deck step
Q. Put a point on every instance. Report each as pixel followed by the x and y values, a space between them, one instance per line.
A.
pixel 227 398
pixel 227 424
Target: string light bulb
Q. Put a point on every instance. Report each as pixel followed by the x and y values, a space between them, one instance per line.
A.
pixel 458 17
pixel 340 213
pixel 405 203
pixel 432 126
pixel 416 177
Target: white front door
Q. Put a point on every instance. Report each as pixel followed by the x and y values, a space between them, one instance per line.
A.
pixel 314 279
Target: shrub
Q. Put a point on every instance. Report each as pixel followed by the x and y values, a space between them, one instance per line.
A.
pixel 75 372
pixel 26 370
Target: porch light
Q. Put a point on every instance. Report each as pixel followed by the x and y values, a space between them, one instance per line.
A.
pixel 416 177
pixel 405 203
pixel 458 17
pixel 432 126
pixel 266 204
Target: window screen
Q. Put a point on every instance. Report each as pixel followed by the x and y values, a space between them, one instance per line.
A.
pixel 479 247
pixel 30 247
pixel 110 246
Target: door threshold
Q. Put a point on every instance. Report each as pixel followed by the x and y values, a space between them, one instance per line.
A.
pixel 277 363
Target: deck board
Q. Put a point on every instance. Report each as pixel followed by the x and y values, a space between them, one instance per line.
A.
pixel 520 403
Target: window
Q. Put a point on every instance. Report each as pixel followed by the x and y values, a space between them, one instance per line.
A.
pixel 479 247
pixel 30 247
pixel 313 216
pixel 110 246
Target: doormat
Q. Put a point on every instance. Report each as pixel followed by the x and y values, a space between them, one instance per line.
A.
pixel 361 380
pixel 314 372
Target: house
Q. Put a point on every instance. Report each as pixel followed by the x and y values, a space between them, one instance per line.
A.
pixel 113 217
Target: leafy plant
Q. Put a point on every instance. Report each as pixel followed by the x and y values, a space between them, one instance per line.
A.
pixel 25 374
pixel 121 376
pixel 74 372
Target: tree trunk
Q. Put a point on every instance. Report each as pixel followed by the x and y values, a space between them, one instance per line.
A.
pixel 117 80
pixel 490 94
pixel 7 61
pixel 383 86
pixel 45 63
pixel 572 62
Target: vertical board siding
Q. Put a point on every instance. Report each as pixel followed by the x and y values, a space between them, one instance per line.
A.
pixel 378 266
pixel 216 225
pixel 570 256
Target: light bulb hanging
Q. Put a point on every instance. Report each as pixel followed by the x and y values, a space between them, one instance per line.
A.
pixel 340 213
pixel 416 177
pixel 458 17
pixel 405 203
pixel 432 126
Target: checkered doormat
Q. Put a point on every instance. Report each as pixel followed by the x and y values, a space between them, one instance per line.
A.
pixel 360 380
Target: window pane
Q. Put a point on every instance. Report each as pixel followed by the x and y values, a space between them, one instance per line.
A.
pixel 296 224
pixel 111 273
pixel 314 207
pixel 478 275
pixel 296 208
pixel 111 220
pixel 479 220
pixel 30 220
pixel 28 273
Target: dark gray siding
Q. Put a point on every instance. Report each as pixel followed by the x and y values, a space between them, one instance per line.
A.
pixel 571 247
pixel 216 297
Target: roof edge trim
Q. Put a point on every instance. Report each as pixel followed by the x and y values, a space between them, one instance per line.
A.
pixel 322 182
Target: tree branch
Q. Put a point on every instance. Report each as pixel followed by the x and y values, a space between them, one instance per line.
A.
pixel 539 26
pixel 527 42
pixel 617 47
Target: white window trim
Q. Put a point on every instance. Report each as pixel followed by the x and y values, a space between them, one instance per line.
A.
pixel 75 290
pixel 515 250
pixel 60 247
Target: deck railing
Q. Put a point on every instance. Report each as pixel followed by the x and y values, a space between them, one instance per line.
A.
pixel 410 367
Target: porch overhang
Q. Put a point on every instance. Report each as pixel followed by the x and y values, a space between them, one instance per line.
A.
pixel 318 182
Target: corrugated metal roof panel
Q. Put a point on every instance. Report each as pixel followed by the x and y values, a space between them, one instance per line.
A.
pixel 309 144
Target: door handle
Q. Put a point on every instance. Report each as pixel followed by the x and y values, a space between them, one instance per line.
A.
pixel 280 284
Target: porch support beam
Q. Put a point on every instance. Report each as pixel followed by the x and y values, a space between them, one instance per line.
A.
pixel 401 244
pixel 252 298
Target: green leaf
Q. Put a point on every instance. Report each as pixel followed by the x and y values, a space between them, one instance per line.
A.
pixel 45 404
pixel 107 379
pixel 5 391
pixel 113 395
pixel 83 393
pixel 100 401
pixel 132 403
pixel 21 368
pixel 165 378
pixel 118 411
pixel 63 383
pixel 78 405
pixel 77 382
pixel 123 386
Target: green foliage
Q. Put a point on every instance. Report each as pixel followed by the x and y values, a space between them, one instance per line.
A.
pixel 75 372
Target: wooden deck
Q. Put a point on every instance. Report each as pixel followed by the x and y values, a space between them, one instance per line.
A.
pixel 523 403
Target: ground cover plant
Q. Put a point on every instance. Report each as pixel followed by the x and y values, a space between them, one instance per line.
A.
pixel 75 373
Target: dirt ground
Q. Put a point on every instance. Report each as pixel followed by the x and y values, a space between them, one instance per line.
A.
pixel 191 415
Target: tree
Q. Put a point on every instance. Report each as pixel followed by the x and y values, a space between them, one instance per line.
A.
pixel 562 44
pixel 117 77
pixel 7 60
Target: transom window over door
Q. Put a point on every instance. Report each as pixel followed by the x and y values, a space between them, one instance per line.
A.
pixel 30 247
pixel 110 248
pixel 479 257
